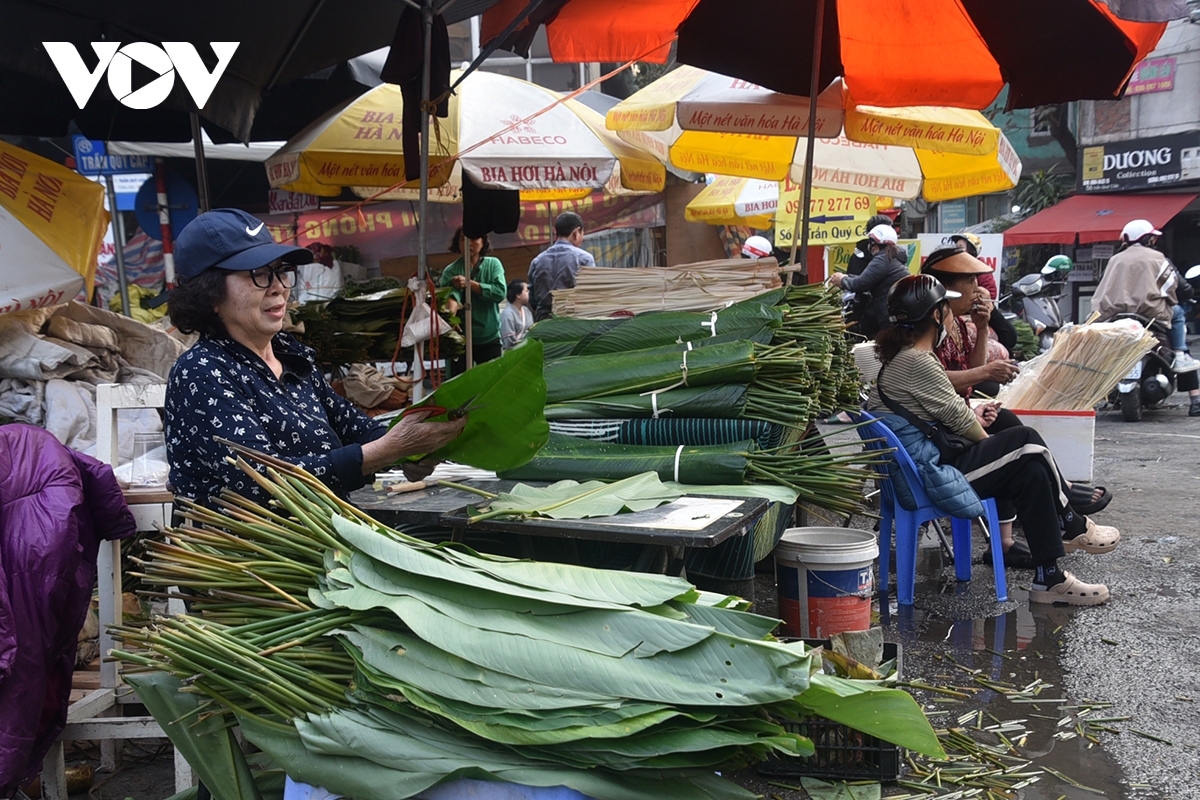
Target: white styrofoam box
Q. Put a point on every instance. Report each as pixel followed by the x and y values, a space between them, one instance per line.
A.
pixel 1070 435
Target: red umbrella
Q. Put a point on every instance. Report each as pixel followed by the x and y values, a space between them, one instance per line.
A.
pixel 916 52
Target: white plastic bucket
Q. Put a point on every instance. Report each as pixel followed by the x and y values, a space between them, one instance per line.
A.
pixel 825 581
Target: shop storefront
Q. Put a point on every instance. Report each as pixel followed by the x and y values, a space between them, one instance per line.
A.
pixel 1155 178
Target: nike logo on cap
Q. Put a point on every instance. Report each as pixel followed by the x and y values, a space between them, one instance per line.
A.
pixel 256 230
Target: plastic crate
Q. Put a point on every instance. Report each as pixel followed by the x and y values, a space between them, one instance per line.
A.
pixel 842 753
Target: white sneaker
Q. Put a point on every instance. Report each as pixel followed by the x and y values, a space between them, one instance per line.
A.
pixel 1185 363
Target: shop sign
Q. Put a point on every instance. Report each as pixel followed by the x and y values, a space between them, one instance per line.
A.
pixel 281 201
pixel 1100 252
pixel 1153 75
pixel 1140 163
pixel 389 230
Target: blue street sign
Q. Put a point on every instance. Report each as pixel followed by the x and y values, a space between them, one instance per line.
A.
pixel 92 158
pixel 181 200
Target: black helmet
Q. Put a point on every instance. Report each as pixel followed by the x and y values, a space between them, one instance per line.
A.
pixel 914 298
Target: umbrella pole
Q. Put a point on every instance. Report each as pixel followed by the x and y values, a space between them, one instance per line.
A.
pixel 201 164
pixel 809 148
pixel 118 230
pixel 418 387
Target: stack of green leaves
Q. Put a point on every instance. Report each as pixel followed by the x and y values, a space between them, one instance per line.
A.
pixel 377 665
pixel 821 476
pixel 776 383
pixel 361 324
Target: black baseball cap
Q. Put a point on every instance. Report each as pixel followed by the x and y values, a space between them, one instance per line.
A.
pixel 229 238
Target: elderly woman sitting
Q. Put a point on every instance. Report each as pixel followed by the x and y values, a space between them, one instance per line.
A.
pixel 247 381
pixel 1013 466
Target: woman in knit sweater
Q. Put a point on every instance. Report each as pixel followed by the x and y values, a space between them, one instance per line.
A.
pixel 1013 465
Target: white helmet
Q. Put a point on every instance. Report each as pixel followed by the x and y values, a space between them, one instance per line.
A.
pixel 883 234
pixel 1136 229
pixel 756 247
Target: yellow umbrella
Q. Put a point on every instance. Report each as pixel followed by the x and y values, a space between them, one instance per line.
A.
pixel 494 132
pixel 51 223
pixel 706 122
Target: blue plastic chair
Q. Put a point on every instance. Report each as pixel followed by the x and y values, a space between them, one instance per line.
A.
pixel 877 436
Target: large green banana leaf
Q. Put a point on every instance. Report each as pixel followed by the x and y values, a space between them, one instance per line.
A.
pixel 438 671
pixel 668 327
pixel 888 714
pixel 575 585
pixel 575 500
pixel 727 401
pixel 580 459
pixel 747 673
pixel 597 630
pixel 206 743
pixel 584 377
pixel 508 425
pixel 353 771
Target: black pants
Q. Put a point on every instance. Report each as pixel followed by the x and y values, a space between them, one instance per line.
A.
pixel 488 351
pixel 1004 420
pixel 1015 467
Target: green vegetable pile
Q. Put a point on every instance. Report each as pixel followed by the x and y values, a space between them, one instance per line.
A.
pixel 377 665
pixel 781 357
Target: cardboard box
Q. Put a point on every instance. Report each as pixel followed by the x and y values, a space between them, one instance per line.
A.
pixel 1070 435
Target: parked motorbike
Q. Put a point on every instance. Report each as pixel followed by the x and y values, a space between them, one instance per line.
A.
pixel 1192 276
pixel 1151 381
pixel 1034 299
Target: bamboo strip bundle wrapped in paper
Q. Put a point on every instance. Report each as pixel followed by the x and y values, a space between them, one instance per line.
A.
pixel 703 286
pixel 377 665
pixel 1081 368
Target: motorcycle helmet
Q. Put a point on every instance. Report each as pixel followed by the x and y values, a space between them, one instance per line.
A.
pixel 916 297
pixel 756 247
pixel 1059 264
pixel 883 234
pixel 974 243
pixel 1137 229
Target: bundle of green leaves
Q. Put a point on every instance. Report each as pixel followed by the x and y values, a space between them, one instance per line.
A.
pixel 377 665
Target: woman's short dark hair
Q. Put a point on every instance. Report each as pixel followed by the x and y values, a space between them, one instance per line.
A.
pixel 890 341
pixel 192 303
pixel 515 287
pixel 456 243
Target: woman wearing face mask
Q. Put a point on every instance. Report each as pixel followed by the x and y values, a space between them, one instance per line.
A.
pixel 887 266
pixel 1014 466
pixel 484 281
pixel 975 361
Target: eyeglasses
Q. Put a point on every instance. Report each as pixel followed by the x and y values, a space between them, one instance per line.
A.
pixel 284 273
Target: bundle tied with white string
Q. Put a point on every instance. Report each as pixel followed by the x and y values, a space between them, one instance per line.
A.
pixel 704 286
pixel 1084 364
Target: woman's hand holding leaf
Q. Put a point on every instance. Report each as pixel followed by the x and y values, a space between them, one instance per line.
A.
pixel 411 436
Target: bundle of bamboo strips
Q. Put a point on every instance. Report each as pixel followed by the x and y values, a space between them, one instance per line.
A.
pixel 702 286
pixel 1081 368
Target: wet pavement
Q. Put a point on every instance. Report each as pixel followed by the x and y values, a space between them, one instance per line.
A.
pixel 1125 675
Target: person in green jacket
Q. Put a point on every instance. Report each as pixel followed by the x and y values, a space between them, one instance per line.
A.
pixel 487 287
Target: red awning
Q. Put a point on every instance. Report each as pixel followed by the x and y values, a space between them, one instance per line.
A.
pixel 1095 217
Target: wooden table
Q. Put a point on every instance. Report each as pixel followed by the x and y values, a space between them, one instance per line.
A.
pixel 664 533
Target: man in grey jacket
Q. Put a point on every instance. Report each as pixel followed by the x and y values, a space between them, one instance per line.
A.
pixel 556 267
